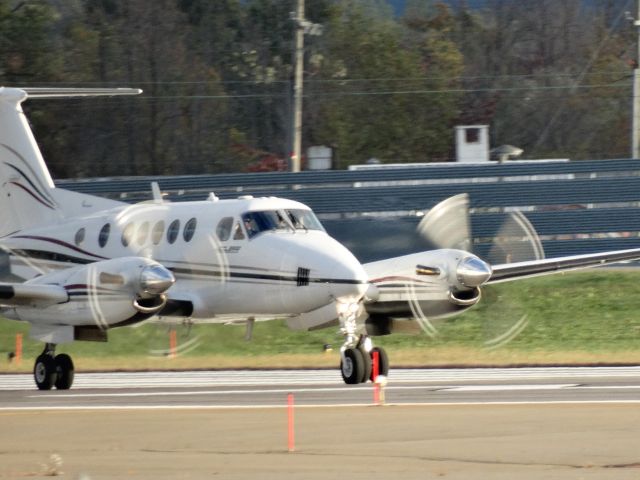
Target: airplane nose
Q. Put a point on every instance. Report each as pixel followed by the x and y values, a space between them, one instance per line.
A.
pixel 348 279
pixel 473 272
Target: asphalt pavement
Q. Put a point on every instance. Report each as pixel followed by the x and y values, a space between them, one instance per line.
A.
pixel 455 424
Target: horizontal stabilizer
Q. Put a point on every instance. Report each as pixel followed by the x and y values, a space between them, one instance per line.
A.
pixel 46 92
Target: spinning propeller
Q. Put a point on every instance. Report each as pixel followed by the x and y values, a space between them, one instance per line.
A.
pixel 448 226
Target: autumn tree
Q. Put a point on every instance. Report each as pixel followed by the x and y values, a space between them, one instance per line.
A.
pixel 380 88
pixel 550 76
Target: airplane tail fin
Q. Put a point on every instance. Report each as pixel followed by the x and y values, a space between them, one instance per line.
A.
pixel 26 188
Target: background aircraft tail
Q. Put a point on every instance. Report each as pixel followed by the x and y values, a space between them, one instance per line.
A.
pixel 28 196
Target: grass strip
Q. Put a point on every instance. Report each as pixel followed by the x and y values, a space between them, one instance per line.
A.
pixel 578 318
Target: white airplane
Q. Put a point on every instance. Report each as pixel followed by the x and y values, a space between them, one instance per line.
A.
pixel 85 264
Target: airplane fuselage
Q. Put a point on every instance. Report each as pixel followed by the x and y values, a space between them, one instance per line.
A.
pixel 222 264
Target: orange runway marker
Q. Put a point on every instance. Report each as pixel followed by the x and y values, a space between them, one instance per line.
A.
pixel 374 377
pixel 291 429
pixel 18 348
pixel 173 344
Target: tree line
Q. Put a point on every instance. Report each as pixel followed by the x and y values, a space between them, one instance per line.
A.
pixel 550 76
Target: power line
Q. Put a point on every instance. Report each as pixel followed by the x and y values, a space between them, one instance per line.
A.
pixel 393 92
pixel 311 81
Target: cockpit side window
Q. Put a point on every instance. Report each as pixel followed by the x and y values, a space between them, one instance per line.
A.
pixel 250 224
pixel 223 230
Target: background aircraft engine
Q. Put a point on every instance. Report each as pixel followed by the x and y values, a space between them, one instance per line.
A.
pixel 105 294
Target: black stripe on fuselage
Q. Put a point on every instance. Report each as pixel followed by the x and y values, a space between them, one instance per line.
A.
pixel 61 243
pixel 263 276
pixel 57 257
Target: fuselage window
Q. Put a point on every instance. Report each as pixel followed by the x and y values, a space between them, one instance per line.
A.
pixel 189 230
pixel 237 232
pixel 223 230
pixel 80 236
pixel 172 231
pixel 157 232
pixel 143 233
pixel 103 236
pixel 127 234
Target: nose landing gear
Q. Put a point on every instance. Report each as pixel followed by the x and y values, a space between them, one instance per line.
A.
pixel 357 353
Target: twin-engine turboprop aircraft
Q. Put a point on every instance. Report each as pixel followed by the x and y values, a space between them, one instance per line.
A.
pixel 86 264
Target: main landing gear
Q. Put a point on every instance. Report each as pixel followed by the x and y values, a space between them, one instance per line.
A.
pixel 357 353
pixel 51 369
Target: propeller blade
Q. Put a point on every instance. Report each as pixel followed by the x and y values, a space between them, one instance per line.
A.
pixel 447 225
pixel 515 241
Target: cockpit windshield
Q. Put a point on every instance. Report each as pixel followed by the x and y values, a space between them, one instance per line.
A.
pixel 280 220
pixel 304 220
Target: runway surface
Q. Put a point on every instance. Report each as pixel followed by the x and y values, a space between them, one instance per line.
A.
pixel 567 423
pixel 257 389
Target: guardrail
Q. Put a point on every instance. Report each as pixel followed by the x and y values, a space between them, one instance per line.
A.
pixel 576 207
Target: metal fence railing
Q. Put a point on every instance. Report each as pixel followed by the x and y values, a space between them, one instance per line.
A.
pixel 576 207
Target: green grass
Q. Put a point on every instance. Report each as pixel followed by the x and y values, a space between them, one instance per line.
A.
pixel 575 318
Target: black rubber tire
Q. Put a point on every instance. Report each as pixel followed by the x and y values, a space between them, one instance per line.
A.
pixel 64 371
pixel 367 366
pixel 44 372
pixel 352 366
pixel 383 362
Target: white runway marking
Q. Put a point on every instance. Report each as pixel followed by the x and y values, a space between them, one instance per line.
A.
pixel 196 392
pixel 313 377
pixel 469 388
pixel 509 388
pixel 312 406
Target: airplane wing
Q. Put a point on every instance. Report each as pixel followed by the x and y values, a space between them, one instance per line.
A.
pixel 514 271
pixel 22 294
pixel 443 282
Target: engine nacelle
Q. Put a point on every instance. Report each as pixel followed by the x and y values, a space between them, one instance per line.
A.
pixel 104 294
pixel 422 287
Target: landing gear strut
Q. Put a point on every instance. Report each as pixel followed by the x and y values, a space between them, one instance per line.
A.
pixel 51 369
pixel 357 352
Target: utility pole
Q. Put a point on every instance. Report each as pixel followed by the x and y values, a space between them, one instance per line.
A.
pixel 297 87
pixel 302 27
pixel 635 124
